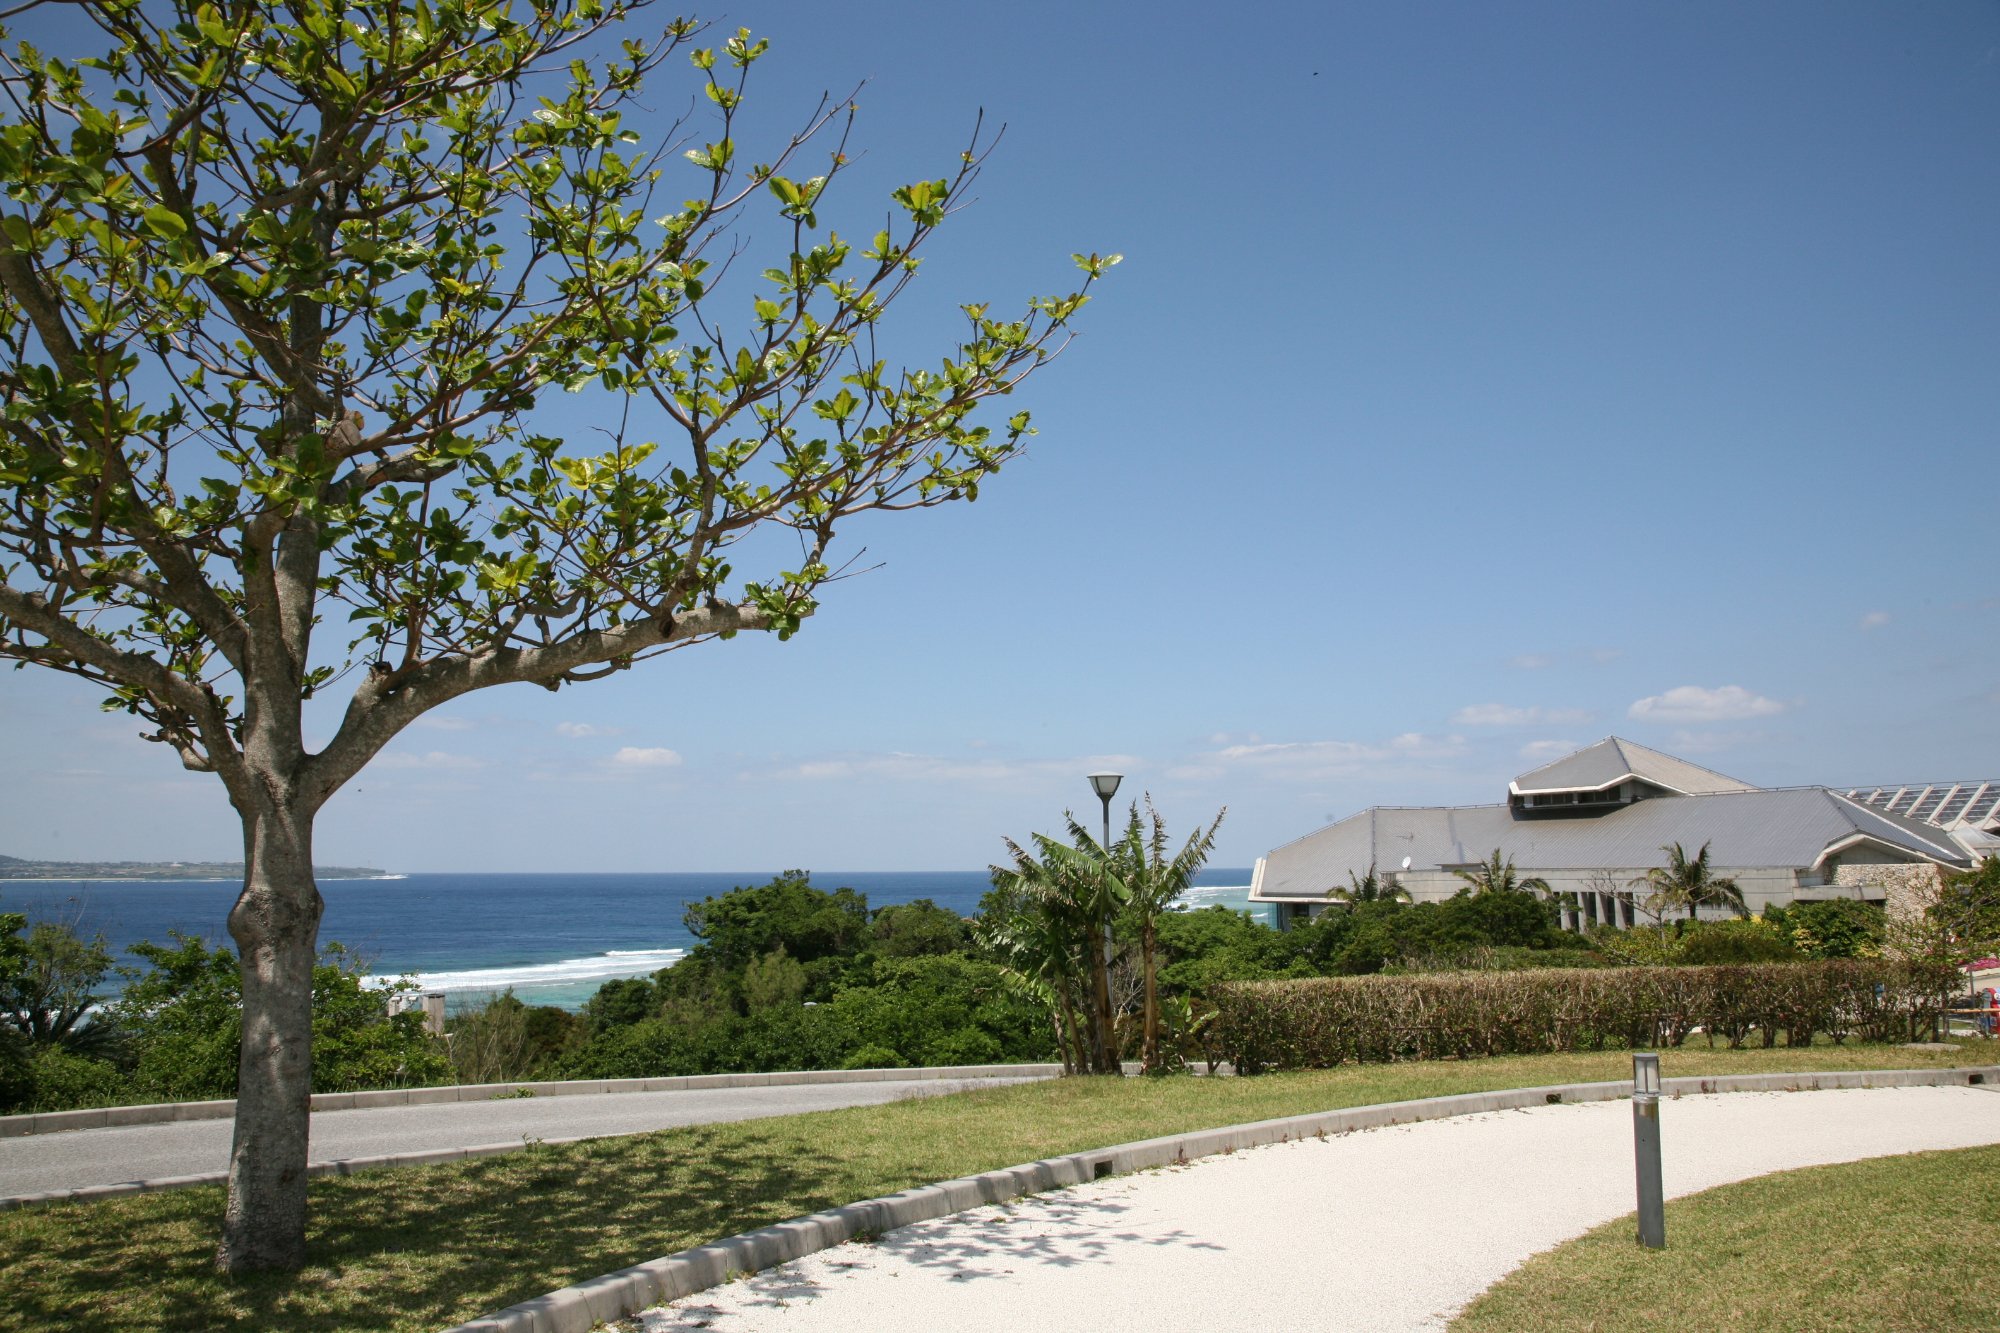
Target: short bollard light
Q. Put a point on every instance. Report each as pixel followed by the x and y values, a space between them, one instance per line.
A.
pixel 1646 1149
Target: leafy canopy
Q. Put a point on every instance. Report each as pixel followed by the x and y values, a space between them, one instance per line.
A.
pixel 285 292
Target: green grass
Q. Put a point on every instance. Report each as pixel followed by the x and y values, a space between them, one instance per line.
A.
pixel 1890 1245
pixel 424 1247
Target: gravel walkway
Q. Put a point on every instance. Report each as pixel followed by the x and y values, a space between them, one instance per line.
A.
pixel 1388 1229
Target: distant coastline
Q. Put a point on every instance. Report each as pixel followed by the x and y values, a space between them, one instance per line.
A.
pixel 14 868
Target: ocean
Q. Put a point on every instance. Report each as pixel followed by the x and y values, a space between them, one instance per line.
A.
pixel 551 939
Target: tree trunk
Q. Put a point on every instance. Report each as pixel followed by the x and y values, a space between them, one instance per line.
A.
pixel 1072 1032
pixel 1146 945
pixel 276 927
pixel 1104 1054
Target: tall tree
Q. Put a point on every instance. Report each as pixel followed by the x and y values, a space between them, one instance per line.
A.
pixel 281 290
pixel 1685 883
pixel 1155 877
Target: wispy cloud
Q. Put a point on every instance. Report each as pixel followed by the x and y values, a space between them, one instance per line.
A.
pixel 1324 759
pixel 903 767
pixel 657 756
pixel 434 760
pixel 1693 703
pixel 1531 662
pixel 1541 752
pixel 579 730
pixel 1684 741
pixel 1875 620
pixel 433 722
pixel 1503 715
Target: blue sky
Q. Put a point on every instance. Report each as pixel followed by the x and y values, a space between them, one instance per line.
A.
pixel 1481 380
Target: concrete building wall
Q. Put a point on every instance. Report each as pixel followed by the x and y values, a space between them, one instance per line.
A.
pixel 1899 884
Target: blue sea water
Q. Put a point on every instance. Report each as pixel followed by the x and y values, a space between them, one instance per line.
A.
pixel 552 939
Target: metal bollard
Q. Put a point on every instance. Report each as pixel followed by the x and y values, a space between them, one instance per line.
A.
pixel 1646 1149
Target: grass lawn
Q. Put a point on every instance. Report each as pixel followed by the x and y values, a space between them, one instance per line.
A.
pixel 1890 1245
pixel 425 1247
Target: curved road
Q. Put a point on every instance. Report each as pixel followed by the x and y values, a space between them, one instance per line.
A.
pixel 1379 1231
pixel 42 1162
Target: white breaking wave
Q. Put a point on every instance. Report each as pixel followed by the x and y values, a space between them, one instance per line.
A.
pixel 607 966
pixel 1208 893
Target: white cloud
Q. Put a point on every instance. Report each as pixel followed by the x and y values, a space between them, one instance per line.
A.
pixel 1875 620
pixel 578 730
pixel 904 767
pixel 436 760
pixel 1541 752
pixel 656 756
pixel 1692 703
pixel 1684 741
pixel 1327 759
pixel 1502 715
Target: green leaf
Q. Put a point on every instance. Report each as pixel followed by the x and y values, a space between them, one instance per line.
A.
pixel 164 223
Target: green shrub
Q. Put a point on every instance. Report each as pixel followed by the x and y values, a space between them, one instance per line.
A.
pixel 1322 1022
pixel 61 1081
pixel 17 1082
pixel 182 1020
pixel 1736 941
pixel 1836 928
pixel 874 1057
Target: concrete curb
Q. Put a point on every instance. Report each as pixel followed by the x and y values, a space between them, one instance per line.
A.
pixel 624 1293
pixel 155 1113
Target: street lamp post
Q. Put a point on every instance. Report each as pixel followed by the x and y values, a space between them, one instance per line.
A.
pixel 1106 787
pixel 1646 1148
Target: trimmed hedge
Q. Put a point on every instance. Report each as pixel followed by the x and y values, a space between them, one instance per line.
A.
pixel 1325 1021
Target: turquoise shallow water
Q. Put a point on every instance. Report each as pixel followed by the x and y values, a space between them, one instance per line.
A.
pixel 553 939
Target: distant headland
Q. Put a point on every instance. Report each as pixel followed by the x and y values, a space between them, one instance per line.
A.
pixel 13 867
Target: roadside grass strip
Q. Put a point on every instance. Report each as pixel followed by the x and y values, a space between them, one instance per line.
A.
pixel 430 1247
pixel 1902 1244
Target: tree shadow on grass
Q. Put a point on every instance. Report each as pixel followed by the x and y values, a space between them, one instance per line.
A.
pixel 423 1247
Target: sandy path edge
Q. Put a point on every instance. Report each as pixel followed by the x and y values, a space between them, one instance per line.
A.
pixel 621 1294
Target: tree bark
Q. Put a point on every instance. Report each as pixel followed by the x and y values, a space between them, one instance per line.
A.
pixel 1146 941
pixel 1104 1052
pixel 276 927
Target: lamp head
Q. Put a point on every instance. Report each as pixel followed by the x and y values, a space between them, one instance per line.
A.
pixel 1645 1073
pixel 1105 784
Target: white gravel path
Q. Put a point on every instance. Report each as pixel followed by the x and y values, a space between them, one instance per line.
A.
pixel 1385 1229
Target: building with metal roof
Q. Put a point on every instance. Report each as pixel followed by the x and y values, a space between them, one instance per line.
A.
pixel 1592 822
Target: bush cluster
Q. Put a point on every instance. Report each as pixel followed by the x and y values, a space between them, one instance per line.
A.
pixel 1322 1022
pixel 786 976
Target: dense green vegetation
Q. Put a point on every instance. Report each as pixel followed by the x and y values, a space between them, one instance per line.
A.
pixel 791 976
pixel 1322 1022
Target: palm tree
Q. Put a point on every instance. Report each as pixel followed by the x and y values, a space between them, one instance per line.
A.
pixel 1153 880
pixel 1042 960
pixel 1495 875
pixel 1684 883
pixel 1080 889
pixel 1370 888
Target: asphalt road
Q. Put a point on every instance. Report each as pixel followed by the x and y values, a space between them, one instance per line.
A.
pixel 41 1162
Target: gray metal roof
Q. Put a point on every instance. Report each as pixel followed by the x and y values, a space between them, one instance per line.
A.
pixel 1791 827
pixel 1614 759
